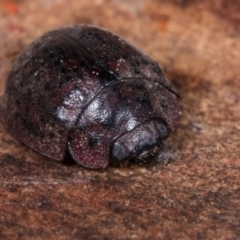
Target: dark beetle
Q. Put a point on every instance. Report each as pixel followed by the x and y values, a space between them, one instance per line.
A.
pixel 85 91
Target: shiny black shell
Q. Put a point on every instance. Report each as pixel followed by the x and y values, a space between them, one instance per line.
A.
pixel 78 89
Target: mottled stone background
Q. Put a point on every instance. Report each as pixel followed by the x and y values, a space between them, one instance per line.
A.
pixel 197 196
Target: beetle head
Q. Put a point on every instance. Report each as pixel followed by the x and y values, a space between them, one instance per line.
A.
pixel 141 144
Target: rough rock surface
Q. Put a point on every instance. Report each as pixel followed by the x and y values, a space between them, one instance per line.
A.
pixel 196 196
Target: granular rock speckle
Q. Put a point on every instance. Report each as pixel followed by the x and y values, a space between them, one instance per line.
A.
pixel 194 197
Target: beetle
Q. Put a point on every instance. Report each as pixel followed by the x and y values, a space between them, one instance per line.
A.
pixel 84 91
